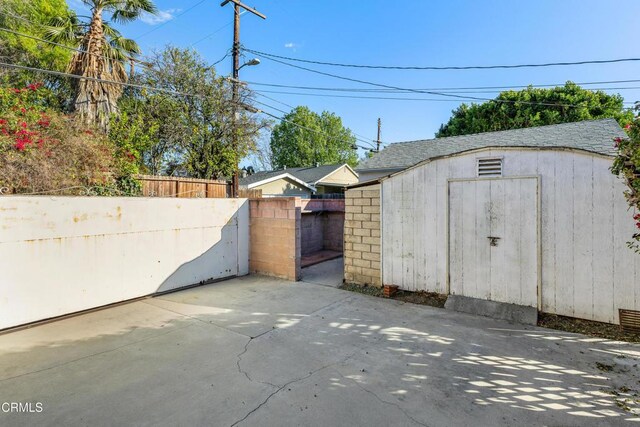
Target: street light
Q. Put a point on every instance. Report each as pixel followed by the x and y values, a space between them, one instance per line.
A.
pixel 254 61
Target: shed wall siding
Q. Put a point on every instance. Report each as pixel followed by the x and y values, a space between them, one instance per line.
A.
pixel 587 269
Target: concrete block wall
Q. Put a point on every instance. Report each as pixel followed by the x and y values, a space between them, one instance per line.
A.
pixel 312 232
pixel 333 230
pixel 362 236
pixel 322 224
pixel 275 236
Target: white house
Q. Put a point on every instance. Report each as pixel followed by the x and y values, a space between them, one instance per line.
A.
pixel 532 217
pixel 303 181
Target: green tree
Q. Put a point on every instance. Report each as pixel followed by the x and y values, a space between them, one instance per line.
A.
pixel 627 166
pixel 535 107
pixel 103 53
pixel 192 133
pixel 29 18
pixel 305 138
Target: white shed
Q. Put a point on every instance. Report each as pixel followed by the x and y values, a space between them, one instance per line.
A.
pixel 531 216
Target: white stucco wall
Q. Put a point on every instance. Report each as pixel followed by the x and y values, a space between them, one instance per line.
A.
pixel 59 255
pixel 587 270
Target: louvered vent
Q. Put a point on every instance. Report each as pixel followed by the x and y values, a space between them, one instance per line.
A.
pixel 490 166
pixel 630 320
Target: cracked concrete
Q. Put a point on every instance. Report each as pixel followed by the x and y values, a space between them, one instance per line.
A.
pixel 256 351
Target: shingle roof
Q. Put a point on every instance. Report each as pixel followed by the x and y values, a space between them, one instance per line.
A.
pixel 259 176
pixel 593 135
pixel 310 175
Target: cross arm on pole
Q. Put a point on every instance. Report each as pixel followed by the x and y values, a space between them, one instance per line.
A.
pixel 244 6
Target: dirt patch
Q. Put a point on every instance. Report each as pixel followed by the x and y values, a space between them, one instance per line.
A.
pixel 363 289
pixel 424 298
pixel 587 327
pixel 626 399
pixel 421 297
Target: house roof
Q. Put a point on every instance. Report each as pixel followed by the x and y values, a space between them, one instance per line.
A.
pixel 309 175
pixel 594 135
pixel 273 176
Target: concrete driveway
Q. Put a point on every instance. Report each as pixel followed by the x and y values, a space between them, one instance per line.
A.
pixel 262 352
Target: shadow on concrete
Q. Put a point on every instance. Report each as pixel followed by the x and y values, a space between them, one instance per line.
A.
pixel 257 351
pixel 327 273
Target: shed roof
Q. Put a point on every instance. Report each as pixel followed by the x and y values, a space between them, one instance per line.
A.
pixel 592 135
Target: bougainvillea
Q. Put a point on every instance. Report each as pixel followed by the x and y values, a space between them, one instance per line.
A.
pixel 42 150
pixel 627 166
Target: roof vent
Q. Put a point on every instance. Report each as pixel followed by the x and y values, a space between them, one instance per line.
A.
pixel 490 166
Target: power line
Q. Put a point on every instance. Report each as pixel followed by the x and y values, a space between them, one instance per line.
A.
pixel 468 67
pixel 157 27
pixel 226 55
pixel 436 89
pixel 95 79
pixel 214 32
pixel 74 49
pixel 303 127
pixel 273 99
pixel 261 93
pixel 473 98
pixel 390 98
pixel 361 97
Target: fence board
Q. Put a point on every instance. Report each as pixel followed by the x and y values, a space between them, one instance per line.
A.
pixel 183 187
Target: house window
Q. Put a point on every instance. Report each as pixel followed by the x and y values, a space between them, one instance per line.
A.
pixel 490 166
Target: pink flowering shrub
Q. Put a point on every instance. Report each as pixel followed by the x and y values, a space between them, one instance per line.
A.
pixel 43 150
pixel 627 166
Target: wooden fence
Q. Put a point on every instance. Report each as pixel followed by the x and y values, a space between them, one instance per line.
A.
pixel 169 186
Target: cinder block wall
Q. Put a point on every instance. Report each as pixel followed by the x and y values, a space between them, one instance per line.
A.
pixel 333 230
pixel 274 228
pixel 312 232
pixel 322 224
pixel 362 236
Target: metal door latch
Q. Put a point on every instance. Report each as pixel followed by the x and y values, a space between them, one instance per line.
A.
pixel 493 241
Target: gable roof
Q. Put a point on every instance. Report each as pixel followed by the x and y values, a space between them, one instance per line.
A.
pixel 593 135
pixel 266 177
pixel 308 175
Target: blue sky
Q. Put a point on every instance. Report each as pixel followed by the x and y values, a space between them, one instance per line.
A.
pixel 408 32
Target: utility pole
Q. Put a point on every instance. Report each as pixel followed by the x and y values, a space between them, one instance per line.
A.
pixel 235 97
pixel 378 140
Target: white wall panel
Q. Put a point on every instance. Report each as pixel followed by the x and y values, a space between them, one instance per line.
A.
pixel 586 268
pixel 59 255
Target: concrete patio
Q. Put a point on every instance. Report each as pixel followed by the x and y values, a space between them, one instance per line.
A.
pixel 259 351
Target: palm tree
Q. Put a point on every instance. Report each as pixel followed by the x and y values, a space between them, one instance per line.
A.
pixel 102 54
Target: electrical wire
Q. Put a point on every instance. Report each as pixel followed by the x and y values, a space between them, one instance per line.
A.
pixel 472 98
pixel 326 95
pixel 435 89
pixel 226 55
pixel 172 92
pixel 390 98
pixel 215 32
pixel 309 129
pixel 157 27
pixel 444 90
pixel 74 49
pixel 272 99
pixel 469 67
pixel 75 76
pixel 260 93
pixel 303 127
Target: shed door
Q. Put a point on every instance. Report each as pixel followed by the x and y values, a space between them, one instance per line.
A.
pixel 493 239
